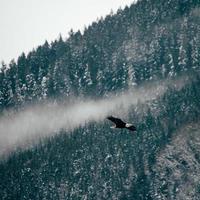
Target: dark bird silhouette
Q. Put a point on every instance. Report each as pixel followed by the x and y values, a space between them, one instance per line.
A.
pixel 120 124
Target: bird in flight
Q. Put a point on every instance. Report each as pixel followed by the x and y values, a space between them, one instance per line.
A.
pixel 120 124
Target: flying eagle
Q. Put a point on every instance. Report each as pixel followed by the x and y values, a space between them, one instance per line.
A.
pixel 120 124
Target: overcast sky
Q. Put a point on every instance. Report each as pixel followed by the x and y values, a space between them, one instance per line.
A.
pixel 25 24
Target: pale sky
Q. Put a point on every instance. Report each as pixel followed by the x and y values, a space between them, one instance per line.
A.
pixel 25 24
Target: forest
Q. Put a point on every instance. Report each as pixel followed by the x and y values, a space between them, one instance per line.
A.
pixel 150 41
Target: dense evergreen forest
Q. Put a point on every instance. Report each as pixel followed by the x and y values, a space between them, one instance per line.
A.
pixel 149 41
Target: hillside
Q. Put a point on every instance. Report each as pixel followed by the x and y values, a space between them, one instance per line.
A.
pixel 150 42
pixel 178 167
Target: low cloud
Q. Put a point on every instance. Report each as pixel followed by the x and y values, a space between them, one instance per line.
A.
pixel 35 122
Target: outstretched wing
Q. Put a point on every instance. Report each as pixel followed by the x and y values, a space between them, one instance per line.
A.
pixel 117 121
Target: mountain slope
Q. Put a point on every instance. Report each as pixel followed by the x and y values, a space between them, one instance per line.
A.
pixel 178 166
pixel 96 162
pixel 151 41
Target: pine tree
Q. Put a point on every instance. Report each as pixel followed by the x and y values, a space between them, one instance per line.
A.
pixel 31 88
pixel 22 68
